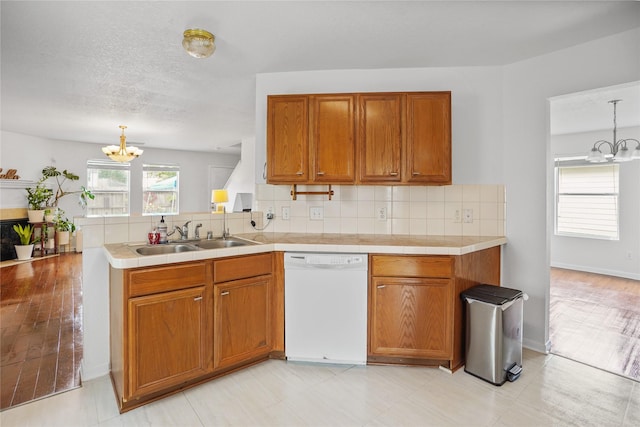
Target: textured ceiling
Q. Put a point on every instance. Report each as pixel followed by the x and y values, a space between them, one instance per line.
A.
pixel 76 70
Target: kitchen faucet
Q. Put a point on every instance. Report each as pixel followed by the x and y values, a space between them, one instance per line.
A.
pixel 184 230
pixel 197 232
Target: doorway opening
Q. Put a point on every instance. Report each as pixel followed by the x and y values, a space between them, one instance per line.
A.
pixel 594 305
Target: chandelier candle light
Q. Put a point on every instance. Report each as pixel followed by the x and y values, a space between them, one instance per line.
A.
pixel 619 150
pixel 122 153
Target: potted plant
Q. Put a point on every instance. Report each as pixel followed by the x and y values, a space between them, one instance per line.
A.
pixel 64 228
pixel 25 248
pixel 37 198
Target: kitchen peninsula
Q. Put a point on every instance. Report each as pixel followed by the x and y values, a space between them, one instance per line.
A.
pixel 232 300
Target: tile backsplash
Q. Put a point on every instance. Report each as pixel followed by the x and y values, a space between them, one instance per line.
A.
pixel 98 231
pixel 461 210
pixel 453 210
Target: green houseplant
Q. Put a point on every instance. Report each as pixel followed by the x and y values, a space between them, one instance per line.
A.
pixel 37 199
pixel 64 227
pixel 25 248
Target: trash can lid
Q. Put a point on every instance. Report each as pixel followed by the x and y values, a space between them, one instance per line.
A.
pixel 496 295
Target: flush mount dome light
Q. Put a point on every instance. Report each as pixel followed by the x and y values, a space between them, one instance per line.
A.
pixel 199 43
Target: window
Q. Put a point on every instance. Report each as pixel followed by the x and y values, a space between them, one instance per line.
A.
pixel 109 182
pixel 587 200
pixel 160 184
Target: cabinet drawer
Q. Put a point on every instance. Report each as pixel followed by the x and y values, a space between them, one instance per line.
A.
pixel 228 269
pixel 151 280
pixel 412 266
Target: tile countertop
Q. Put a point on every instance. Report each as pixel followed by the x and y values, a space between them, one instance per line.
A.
pixel 123 255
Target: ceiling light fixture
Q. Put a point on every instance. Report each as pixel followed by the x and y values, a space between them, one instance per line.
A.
pixel 619 150
pixel 122 153
pixel 199 43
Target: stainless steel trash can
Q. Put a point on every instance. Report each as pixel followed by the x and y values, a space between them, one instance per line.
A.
pixel 493 333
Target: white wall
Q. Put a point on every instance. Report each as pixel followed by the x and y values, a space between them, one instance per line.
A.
pixel 475 108
pixel 29 154
pixel 243 178
pixel 613 257
pixel 528 173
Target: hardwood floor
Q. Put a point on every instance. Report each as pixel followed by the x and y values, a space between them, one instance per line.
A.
pixel 595 319
pixel 41 328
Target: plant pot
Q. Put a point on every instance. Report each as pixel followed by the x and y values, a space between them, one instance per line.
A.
pixel 48 217
pixel 24 252
pixel 35 215
pixel 63 237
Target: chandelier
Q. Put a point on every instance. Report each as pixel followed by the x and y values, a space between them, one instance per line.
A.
pixel 122 153
pixel 199 43
pixel 619 149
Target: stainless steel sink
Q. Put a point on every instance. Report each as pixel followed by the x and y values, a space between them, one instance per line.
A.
pixel 166 249
pixel 222 243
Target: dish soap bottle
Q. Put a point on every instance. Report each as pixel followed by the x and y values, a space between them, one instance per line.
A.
pixel 162 229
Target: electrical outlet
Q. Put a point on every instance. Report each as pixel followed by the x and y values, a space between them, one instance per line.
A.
pixel 382 214
pixel 270 214
pixel 456 216
pixel 316 212
pixel 286 213
pixel 467 215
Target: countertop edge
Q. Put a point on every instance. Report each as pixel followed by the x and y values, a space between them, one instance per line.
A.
pixel 121 257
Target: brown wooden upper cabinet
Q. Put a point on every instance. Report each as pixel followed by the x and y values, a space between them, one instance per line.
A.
pixel 359 138
pixel 428 138
pixel 380 137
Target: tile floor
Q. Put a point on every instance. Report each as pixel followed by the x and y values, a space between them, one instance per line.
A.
pixel 595 319
pixel 40 327
pixel 551 391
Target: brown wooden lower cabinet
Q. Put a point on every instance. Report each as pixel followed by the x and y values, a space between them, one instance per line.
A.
pixel 243 313
pixel 170 340
pixel 178 325
pixel 415 311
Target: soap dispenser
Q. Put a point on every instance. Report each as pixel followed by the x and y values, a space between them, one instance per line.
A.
pixel 162 229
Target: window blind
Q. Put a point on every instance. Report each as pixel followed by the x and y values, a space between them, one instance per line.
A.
pixel 587 201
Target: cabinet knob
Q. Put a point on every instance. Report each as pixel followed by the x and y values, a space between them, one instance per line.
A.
pixel 320 173
pixel 197 298
pixel 299 173
pixel 382 286
pixel 224 293
pixel 415 173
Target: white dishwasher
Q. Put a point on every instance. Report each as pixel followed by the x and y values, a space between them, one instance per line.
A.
pixel 325 307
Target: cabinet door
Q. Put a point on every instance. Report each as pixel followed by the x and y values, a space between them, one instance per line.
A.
pixel 332 138
pixel 242 321
pixel 169 339
pixel 287 139
pixel 429 138
pixel 411 317
pixel 380 137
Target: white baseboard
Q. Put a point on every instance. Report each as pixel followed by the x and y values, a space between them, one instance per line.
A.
pixel 91 372
pixel 537 346
pixel 589 269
